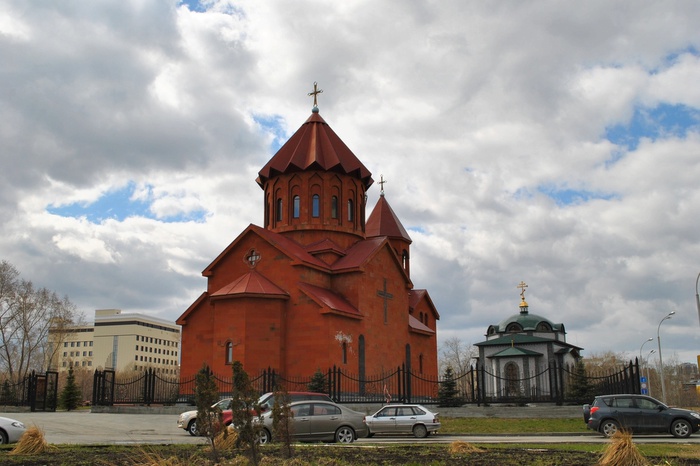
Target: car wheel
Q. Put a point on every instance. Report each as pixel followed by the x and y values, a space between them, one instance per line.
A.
pixel 345 435
pixel 609 427
pixel 681 428
pixel 192 428
pixel 419 431
pixel 264 437
pixel 3 438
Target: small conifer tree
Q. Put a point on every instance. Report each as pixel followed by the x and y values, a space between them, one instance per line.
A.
pixel 209 418
pixel 318 383
pixel 70 396
pixel 245 410
pixel 580 388
pixel 448 394
pixel 282 421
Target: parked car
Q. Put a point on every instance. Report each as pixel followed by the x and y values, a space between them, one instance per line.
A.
pixel 188 419
pixel 319 421
pixel 403 419
pixel 10 430
pixel 640 414
pixel 266 401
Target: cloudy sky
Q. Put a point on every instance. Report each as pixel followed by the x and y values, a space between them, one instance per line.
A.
pixel 551 142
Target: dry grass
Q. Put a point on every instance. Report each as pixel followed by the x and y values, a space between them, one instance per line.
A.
pixel 226 439
pixel 459 447
pixel 622 452
pixel 32 442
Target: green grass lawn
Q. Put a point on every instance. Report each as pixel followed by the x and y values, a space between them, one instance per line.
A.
pixel 489 425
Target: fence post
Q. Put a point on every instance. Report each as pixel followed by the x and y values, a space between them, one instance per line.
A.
pixel 408 384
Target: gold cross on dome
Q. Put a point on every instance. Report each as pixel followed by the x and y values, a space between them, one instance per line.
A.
pixel 522 285
pixel 315 93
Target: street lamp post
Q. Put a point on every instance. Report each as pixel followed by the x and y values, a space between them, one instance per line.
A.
pixel 648 379
pixel 661 361
pixel 697 297
pixel 641 360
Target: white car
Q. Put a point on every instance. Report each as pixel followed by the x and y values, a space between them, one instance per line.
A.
pixel 188 419
pixel 403 419
pixel 10 430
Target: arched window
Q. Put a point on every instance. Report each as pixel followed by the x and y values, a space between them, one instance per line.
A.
pixel 229 352
pixel 512 376
pixel 420 363
pixel 345 353
pixel 514 327
pixel 334 207
pixel 404 260
pixel 278 213
pixel 351 210
pixel 315 206
pixel 297 206
pixel 420 317
pixel 544 327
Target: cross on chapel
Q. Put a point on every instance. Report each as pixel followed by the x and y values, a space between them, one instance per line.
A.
pixel 522 285
pixel 381 185
pixel 315 93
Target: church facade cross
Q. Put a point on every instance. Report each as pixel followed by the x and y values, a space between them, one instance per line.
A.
pixel 315 93
pixel 387 296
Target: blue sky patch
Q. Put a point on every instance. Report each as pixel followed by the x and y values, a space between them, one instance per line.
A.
pixel 119 205
pixel 564 197
pixel 663 121
pixel 272 124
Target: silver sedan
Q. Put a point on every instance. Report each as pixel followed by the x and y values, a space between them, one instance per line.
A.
pixel 403 419
pixel 10 430
pixel 320 421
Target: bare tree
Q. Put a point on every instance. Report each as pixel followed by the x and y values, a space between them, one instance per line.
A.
pixel 458 355
pixel 26 315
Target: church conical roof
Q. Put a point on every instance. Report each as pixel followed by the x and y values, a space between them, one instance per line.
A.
pixel 315 146
pixel 384 222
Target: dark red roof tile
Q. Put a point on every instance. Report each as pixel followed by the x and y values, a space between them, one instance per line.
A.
pixel 384 222
pixel 251 284
pixel 315 146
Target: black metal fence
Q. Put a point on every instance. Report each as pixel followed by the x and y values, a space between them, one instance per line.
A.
pixel 37 391
pixel 555 383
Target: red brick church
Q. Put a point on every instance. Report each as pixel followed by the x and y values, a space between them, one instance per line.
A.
pixel 316 286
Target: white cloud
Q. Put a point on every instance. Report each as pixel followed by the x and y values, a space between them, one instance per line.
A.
pixel 471 111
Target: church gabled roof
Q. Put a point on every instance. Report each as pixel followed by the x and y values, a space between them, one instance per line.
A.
pixel 315 146
pixel 417 326
pixel 251 284
pixel 330 301
pixel 511 339
pixel 513 351
pixel 292 249
pixel 415 296
pixel 384 222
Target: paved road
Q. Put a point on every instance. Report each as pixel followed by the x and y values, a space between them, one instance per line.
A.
pixel 83 427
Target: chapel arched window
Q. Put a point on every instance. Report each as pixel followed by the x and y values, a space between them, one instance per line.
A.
pixel 229 352
pixel 334 207
pixel 278 213
pixel 351 210
pixel 315 206
pixel 296 207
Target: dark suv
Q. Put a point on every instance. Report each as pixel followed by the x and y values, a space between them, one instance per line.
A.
pixel 640 414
